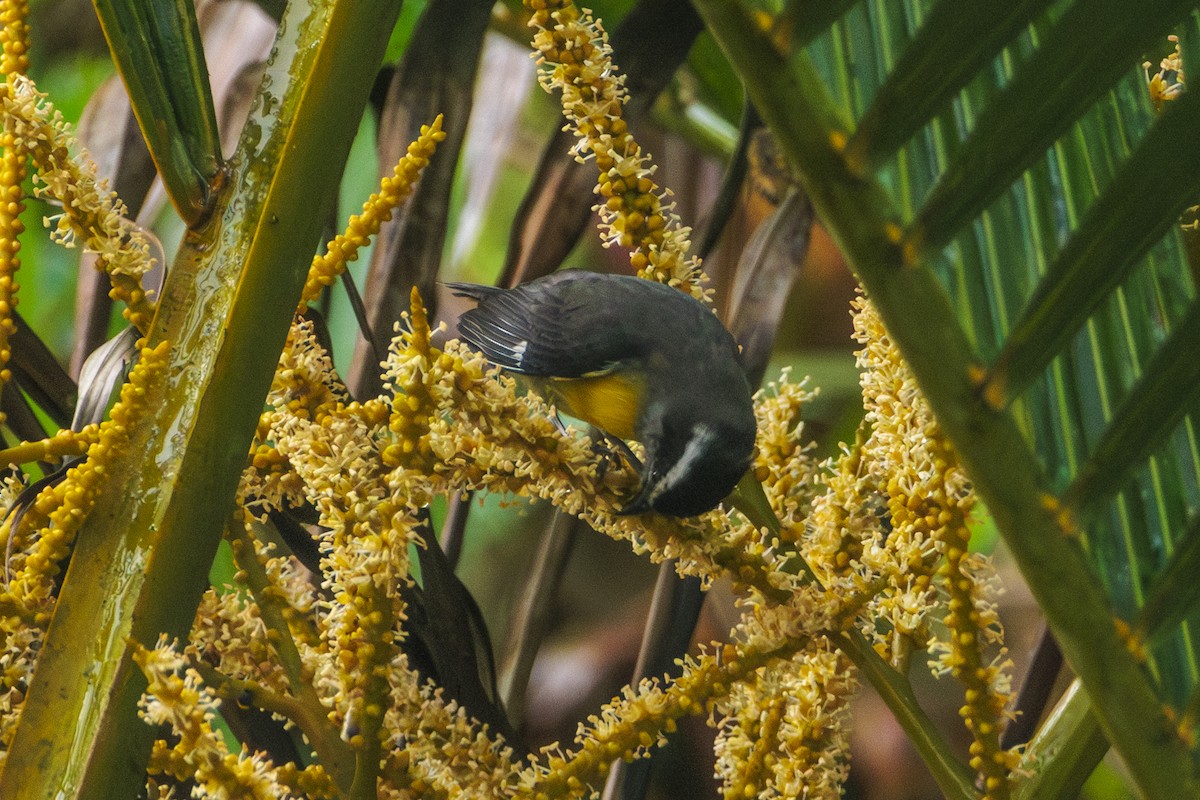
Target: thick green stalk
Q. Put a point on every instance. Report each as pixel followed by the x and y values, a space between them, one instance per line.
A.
pixel 1006 474
pixel 1065 751
pixel 1070 744
pixel 955 781
pixel 143 555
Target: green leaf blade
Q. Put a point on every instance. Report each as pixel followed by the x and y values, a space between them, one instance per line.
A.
pixel 1162 177
pixel 933 68
pixel 157 49
pixel 1087 51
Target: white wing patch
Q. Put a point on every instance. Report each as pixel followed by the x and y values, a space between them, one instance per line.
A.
pixel 519 351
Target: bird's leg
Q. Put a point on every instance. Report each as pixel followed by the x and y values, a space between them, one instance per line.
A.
pixel 610 448
pixel 626 451
pixel 556 420
pixel 607 446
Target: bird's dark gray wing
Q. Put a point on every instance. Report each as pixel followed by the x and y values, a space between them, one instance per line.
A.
pixel 567 325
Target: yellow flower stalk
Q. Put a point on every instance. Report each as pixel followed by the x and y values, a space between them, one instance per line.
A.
pixel 377 210
pixel 929 501
pixel 639 718
pixel 59 510
pixel 798 707
pixel 782 464
pixel 635 213
pixel 439 751
pixel 14 60
pixel 63 444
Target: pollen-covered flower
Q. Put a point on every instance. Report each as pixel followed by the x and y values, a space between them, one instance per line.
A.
pixel 782 462
pixel 783 734
pixel 1167 82
pixel 926 551
pixel 176 697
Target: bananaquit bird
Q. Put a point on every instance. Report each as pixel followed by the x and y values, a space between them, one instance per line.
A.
pixel 637 359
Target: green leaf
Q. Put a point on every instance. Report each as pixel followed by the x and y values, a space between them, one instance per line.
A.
pixel 156 46
pixel 1176 591
pixel 1065 751
pixel 954 42
pixel 1090 47
pixel 802 20
pixel 1153 409
pixel 1143 201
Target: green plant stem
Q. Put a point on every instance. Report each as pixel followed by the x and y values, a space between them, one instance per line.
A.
pixel 1065 751
pixel 864 221
pixel 143 555
pixel 952 777
pixel 254 694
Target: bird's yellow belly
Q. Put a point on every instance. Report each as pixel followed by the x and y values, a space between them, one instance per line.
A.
pixel 611 402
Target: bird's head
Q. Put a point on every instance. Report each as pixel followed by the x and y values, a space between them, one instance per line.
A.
pixel 692 463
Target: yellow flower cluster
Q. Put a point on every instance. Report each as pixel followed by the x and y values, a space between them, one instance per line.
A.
pixel 14 37
pixel 1167 83
pixel 227 618
pixel 782 463
pixel 305 384
pixel 91 214
pixel 634 211
pixel 798 707
pixel 639 718
pixel 377 210
pixel 177 697
pixel 925 547
pixel 437 749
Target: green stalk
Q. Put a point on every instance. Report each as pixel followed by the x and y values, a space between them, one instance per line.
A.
pixel 143 555
pixel 954 779
pixel 1070 744
pixel 863 219
pixel 1065 751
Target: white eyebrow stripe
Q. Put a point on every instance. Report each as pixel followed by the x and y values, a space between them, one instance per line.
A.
pixel 702 436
